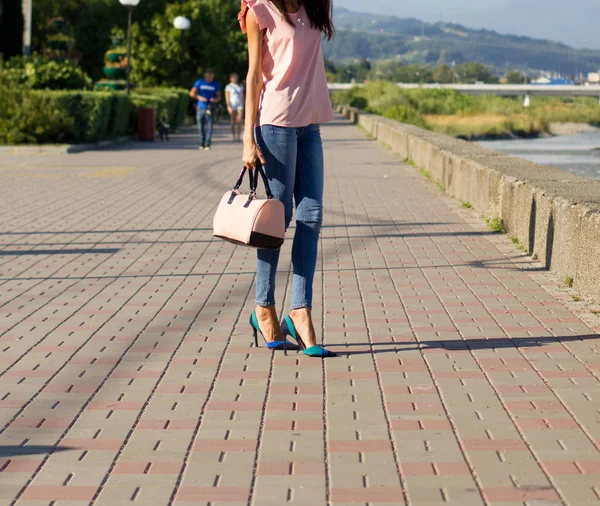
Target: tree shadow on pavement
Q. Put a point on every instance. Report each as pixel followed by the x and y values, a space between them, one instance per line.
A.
pixel 81 251
pixel 16 451
pixel 187 138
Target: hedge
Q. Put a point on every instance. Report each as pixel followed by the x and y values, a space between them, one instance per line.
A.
pixel 173 103
pixel 119 117
pixel 41 117
pixel 48 117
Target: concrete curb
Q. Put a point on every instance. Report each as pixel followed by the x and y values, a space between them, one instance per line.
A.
pixel 554 214
pixel 58 149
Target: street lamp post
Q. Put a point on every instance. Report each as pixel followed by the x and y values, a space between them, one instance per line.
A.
pixel 182 24
pixel 130 4
pixel 27 18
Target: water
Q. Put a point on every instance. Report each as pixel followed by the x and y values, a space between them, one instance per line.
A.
pixel 579 154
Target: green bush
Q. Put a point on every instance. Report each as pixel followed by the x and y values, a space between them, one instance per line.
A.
pixel 48 116
pixel 34 118
pixel 140 101
pixel 167 103
pixel 119 116
pixel 470 116
pixel 405 114
pixel 383 98
pixel 38 73
pixel 170 103
pixel 177 104
pixel 182 107
pixel 41 117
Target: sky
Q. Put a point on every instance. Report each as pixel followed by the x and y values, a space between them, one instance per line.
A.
pixel 575 22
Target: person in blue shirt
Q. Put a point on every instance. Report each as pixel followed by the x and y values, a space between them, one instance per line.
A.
pixel 208 93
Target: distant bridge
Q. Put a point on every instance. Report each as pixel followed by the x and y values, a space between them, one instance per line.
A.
pixel 502 90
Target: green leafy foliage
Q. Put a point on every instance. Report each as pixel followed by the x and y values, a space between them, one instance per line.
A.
pixel 447 111
pixel 398 71
pixel 38 73
pixel 170 103
pixel 386 99
pixel 472 72
pixel 495 224
pixel 444 74
pixel 515 77
pixel 214 40
pixel 47 116
pixel 58 116
pixel 119 116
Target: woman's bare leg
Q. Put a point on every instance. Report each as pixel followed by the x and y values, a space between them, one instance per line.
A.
pixel 233 119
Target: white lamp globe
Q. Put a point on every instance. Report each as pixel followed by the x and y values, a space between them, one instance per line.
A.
pixel 181 23
pixel 130 3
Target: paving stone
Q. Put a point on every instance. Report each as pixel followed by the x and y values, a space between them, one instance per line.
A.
pixel 128 371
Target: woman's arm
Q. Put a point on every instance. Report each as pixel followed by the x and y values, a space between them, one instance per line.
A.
pixel 254 85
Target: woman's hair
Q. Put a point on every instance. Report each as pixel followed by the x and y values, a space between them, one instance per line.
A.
pixel 320 13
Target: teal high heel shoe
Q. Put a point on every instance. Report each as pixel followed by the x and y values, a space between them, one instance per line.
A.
pixel 288 329
pixel 273 345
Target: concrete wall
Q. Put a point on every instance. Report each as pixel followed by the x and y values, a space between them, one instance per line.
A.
pixel 553 213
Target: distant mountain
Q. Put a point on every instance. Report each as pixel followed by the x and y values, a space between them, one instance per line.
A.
pixel 374 36
pixel 574 22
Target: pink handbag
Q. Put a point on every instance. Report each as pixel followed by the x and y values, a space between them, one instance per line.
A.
pixel 248 221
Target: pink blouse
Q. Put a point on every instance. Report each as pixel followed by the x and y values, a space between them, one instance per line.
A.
pixel 294 90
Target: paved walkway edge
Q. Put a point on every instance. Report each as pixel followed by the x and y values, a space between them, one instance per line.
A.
pixel 552 214
pixel 61 149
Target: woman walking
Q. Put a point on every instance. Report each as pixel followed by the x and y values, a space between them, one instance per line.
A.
pixel 234 97
pixel 286 100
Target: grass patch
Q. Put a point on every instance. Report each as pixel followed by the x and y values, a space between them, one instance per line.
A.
pixel 467 205
pixel 575 298
pixel 369 134
pixel 495 224
pixel 488 125
pixel 568 281
pixel 519 244
pixel 425 174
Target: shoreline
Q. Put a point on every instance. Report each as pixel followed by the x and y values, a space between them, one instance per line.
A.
pixel 556 130
pixel 566 129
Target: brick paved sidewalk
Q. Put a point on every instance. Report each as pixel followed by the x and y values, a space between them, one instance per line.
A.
pixel 127 372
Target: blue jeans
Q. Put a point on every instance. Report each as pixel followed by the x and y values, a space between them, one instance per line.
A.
pixel 294 167
pixel 205 125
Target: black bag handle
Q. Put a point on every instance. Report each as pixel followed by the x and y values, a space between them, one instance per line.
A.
pixel 241 179
pixel 259 169
pixel 253 179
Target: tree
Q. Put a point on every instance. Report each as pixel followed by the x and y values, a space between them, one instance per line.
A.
pixel 215 39
pixel 473 72
pixel 443 74
pixel 11 28
pixel 515 77
pixel 396 71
